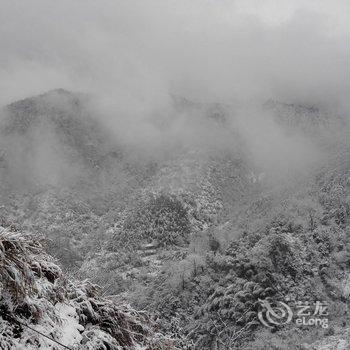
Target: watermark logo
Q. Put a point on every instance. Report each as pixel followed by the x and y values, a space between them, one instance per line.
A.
pixel 274 315
pixel 279 313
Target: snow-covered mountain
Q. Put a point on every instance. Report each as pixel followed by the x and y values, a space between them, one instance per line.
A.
pixel 194 236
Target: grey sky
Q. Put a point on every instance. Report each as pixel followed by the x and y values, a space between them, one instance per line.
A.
pixel 137 52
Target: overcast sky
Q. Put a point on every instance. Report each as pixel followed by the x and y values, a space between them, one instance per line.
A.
pixel 142 50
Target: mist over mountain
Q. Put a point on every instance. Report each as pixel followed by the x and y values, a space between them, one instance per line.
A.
pixel 149 222
pixel 174 175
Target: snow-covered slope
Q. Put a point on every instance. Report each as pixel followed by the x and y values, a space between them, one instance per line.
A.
pixel 189 235
pixel 41 309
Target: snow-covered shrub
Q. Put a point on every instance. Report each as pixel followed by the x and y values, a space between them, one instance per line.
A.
pixel 36 298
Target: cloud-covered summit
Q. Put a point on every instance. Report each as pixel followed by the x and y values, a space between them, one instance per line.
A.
pixel 135 54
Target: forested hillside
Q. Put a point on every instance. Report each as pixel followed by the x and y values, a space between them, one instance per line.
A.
pixel 193 236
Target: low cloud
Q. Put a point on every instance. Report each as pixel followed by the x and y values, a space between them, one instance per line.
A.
pixel 133 55
pixel 139 52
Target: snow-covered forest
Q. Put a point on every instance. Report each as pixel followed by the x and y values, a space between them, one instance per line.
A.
pixel 174 175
